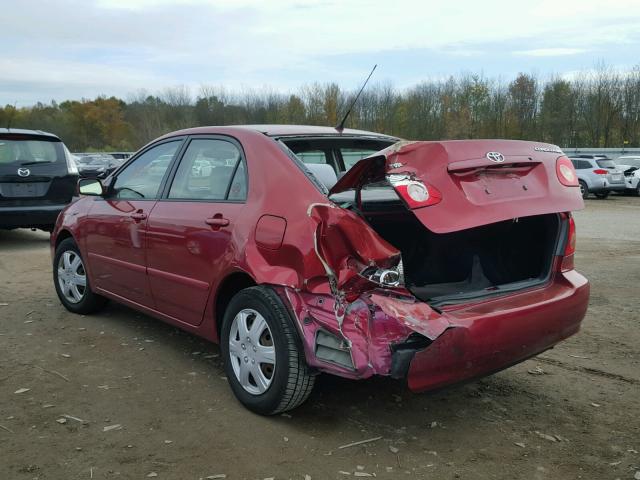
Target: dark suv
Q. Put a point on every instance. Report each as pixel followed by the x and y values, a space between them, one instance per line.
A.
pixel 38 178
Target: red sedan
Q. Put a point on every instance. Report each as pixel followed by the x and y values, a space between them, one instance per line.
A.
pixel 304 250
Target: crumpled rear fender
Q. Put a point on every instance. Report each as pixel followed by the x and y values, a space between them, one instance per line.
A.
pixel 346 245
pixel 370 328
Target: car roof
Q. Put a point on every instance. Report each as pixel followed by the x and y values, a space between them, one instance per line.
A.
pixel 273 130
pixel 22 131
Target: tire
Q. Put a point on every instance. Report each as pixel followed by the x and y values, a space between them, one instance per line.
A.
pixel 268 323
pixel 584 190
pixel 602 196
pixel 68 278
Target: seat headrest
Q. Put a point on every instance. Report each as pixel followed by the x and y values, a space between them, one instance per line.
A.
pixel 324 173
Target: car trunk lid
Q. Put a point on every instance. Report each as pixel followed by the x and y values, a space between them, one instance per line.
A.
pixel 479 181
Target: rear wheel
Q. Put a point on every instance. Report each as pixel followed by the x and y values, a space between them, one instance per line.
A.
pixel 584 190
pixel 262 358
pixel 602 195
pixel 72 282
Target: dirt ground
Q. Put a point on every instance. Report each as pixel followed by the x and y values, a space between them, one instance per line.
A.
pixel 145 400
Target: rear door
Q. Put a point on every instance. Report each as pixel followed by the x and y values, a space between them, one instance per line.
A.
pixel 470 183
pixel 117 225
pixel 190 230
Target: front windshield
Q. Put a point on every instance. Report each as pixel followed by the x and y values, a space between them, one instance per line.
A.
pixel 29 151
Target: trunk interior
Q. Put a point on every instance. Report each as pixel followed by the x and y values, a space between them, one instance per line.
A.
pixel 443 268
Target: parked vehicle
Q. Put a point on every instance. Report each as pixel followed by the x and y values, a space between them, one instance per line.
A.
pixel 598 174
pixel 630 166
pixel 38 178
pixel 97 165
pixel 433 262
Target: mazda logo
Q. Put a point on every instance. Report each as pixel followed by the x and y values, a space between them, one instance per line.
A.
pixel 495 157
pixel 24 172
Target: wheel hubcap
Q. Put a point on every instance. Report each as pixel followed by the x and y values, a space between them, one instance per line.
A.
pixel 251 351
pixel 72 278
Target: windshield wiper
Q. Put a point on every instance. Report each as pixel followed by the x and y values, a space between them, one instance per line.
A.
pixel 35 162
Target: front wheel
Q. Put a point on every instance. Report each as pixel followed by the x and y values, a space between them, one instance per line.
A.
pixel 262 358
pixel 72 282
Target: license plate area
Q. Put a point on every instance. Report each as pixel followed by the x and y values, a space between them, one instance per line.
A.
pixel 23 189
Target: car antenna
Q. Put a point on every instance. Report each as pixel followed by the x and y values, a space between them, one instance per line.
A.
pixel 340 126
pixel 10 119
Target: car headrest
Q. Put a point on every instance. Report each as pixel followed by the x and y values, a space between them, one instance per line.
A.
pixel 324 173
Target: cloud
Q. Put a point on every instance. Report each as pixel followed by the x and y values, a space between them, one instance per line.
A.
pixel 550 52
pixel 107 46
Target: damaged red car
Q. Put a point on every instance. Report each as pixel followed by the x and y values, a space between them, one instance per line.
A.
pixel 304 250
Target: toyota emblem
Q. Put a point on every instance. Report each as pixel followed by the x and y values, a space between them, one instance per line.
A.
pixel 24 172
pixel 495 157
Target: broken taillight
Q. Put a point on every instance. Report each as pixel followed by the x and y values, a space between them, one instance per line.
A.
pixel 570 247
pixel 566 172
pixel 415 193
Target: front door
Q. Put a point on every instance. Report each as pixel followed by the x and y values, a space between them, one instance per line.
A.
pixel 190 229
pixel 117 225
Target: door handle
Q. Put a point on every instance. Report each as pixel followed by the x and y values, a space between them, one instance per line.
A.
pixel 139 215
pixel 217 221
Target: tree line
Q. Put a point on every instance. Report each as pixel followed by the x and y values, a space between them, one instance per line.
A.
pixel 597 108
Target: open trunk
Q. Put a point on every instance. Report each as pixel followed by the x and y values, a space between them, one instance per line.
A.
pixel 471 218
pixel 489 259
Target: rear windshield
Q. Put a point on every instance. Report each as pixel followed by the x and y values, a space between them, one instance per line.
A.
pixel 606 163
pixel 29 151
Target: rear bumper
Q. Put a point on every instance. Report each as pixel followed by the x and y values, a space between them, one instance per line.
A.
pixel 496 334
pixel 29 216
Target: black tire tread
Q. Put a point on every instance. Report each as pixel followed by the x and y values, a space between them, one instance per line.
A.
pixel 300 381
pixel 92 301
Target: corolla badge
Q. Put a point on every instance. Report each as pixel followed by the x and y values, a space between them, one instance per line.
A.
pixel 495 157
pixel 24 172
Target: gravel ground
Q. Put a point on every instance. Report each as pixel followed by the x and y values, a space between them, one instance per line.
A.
pixel 121 395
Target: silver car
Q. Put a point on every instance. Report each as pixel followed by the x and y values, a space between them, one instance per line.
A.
pixel 630 166
pixel 599 175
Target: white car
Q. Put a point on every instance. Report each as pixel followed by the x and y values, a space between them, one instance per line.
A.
pixel 630 165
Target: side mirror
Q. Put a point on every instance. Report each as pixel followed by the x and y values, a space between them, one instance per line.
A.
pixel 90 186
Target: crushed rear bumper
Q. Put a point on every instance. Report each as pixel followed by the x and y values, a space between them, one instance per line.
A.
pixel 489 337
pixel 384 334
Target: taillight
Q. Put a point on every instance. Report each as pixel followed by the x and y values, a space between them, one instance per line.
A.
pixel 566 172
pixel 570 247
pixel 416 194
pixel 600 171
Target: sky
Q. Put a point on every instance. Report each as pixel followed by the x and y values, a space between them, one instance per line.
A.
pixel 73 49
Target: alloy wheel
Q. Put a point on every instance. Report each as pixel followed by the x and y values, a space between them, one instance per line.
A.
pixel 72 278
pixel 252 351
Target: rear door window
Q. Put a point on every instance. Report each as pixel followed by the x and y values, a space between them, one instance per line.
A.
pixel 580 164
pixel 206 171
